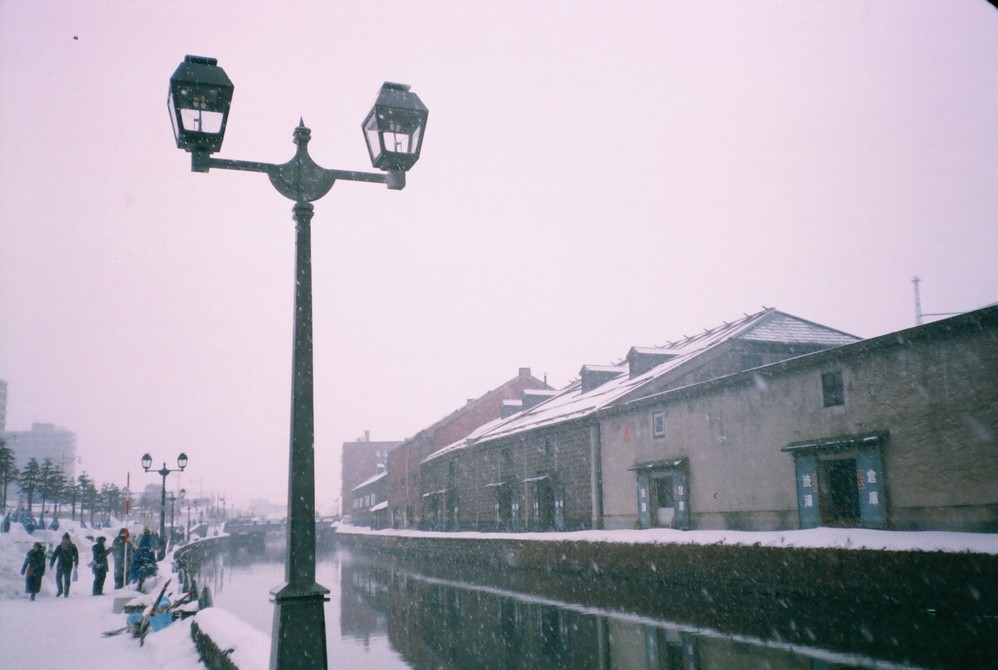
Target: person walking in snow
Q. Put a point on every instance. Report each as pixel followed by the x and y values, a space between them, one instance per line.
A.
pixel 99 565
pixel 121 551
pixel 65 558
pixel 33 569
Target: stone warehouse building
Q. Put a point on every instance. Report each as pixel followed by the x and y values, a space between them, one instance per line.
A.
pixel 898 431
pixel 542 468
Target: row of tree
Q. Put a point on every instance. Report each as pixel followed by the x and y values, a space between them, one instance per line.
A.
pixel 47 483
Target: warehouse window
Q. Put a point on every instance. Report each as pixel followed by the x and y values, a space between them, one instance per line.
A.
pixel 658 424
pixel 832 389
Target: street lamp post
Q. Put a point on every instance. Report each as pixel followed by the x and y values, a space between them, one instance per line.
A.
pixel 199 101
pixel 184 502
pixel 163 472
pixel 173 504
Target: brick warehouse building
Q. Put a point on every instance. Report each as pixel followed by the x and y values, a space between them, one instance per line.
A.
pixel 360 460
pixel 405 499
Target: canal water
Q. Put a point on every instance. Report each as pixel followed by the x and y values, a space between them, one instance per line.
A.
pixel 390 615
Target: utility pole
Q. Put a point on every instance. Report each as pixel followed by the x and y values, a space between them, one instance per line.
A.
pixel 918 301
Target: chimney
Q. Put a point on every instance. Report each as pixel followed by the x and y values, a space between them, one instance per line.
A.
pixel 523 373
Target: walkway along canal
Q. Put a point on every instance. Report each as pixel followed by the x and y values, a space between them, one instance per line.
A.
pixel 401 602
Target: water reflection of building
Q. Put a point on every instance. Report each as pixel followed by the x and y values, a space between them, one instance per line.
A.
pixel 434 622
pixel 447 626
pixel 364 600
pixel 435 625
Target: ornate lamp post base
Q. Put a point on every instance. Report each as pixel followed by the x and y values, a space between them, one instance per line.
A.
pixel 299 631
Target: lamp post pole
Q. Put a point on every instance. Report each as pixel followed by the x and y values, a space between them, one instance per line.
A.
pixel 173 506
pixel 184 501
pixel 163 472
pixel 200 96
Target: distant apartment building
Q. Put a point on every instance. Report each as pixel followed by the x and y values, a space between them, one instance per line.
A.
pixel 44 440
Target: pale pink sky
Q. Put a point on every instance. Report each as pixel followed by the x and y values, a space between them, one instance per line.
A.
pixel 594 176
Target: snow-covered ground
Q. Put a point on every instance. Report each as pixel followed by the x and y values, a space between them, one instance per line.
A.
pixel 55 632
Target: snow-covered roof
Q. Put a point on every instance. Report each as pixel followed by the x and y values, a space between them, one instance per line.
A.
pixel 615 369
pixel 463 442
pixel 784 328
pixel 572 403
pixel 380 475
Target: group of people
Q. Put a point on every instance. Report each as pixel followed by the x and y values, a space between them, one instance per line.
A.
pixel 141 562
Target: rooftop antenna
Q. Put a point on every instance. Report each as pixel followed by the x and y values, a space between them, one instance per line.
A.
pixel 918 301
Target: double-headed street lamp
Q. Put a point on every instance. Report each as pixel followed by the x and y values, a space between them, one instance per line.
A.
pixel 163 472
pixel 199 101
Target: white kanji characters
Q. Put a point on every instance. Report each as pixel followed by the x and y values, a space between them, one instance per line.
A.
pixel 871 476
pixel 805 481
pixel 679 490
pixel 874 498
pixel 682 505
pixel 808 500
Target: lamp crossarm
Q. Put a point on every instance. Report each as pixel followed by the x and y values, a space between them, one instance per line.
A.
pixel 301 179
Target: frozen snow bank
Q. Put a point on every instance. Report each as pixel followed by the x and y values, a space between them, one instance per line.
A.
pixel 815 538
pixel 246 647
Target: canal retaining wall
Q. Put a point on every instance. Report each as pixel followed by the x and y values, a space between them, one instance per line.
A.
pixel 936 581
pixel 223 641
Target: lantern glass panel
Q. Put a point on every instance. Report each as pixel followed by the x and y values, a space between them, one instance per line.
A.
pixel 394 128
pixel 393 139
pixel 373 138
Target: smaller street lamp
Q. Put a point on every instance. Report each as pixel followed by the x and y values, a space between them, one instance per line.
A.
pixel 163 472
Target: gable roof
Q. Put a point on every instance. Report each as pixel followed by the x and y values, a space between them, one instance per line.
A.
pixel 573 402
pixel 787 329
pixel 430 433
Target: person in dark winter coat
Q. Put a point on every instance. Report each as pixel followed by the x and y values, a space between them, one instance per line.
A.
pixel 99 565
pixel 33 569
pixel 121 551
pixel 144 564
pixel 65 558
